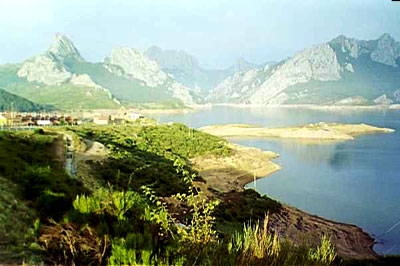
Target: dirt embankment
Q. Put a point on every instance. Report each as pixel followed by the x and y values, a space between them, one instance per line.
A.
pixel 224 174
pixel 318 131
pixel 75 153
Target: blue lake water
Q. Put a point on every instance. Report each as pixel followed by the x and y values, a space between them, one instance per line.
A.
pixel 355 181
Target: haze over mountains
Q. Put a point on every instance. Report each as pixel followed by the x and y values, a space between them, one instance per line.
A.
pixel 344 71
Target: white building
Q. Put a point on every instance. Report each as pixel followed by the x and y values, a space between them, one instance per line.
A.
pixel 43 122
pixel 134 116
pixel 101 120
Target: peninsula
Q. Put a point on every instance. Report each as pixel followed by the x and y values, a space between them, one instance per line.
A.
pixel 318 131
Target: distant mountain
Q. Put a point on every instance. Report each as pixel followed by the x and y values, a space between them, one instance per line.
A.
pixel 344 71
pixel 185 68
pixel 12 102
pixel 61 77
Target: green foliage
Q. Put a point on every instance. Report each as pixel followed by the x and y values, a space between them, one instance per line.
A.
pixel 144 155
pixel 19 225
pixel 12 102
pixel 200 233
pixel 242 207
pixel 325 254
pixel 106 201
pixel 254 244
pixel 130 251
pixel 25 158
pixel 177 139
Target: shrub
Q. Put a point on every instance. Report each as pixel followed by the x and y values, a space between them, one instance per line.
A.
pixel 68 244
pixel 324 254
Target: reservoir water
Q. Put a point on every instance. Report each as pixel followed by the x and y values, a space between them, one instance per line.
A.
pixel 355 181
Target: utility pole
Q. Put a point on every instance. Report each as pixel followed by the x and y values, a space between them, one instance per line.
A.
pixel 255 180
pixel 12 114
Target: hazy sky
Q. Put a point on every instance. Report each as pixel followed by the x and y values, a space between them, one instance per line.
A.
pixel 215 31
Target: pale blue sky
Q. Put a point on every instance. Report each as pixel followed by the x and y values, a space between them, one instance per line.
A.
pixel 215 31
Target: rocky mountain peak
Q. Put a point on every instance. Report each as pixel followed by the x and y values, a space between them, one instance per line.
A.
pixel 64 49
pixel 387 50
pixel 138 65
pixel 172 59
pixel 242 65
pixel 386 37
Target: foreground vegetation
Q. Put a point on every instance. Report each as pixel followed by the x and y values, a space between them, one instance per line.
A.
pixel 144 210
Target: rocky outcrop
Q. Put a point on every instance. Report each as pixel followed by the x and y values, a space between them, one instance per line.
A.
pixel 83 80
pixel 172 59
pixel 241 65
pixel 181 92
pixel 316 63
pixel 386 51
pixel 134 64
pixel 186 69
pixel 352 100
pixel 63 49
pixel 238 86
pixel 137 65
pixel 49 68
pixel 44 69
pixel 383 100
pixel 396 95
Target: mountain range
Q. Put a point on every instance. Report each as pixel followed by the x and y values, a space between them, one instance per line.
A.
pixel 343 71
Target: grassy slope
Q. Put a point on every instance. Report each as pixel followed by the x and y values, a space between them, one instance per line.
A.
pixel 143 155
pixel 10 101
pixel 66 96
pixel 17 220
pixel 33 184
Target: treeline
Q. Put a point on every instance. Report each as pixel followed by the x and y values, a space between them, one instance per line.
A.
pixel 12 102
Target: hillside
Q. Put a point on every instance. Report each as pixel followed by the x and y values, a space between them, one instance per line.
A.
pixel 136 192
pixel 344 71
pixel 9 101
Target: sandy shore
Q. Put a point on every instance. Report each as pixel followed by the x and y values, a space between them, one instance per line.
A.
pixel 319 131
pixel 226 174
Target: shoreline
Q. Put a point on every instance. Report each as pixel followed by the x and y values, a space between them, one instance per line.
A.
pixel 233 173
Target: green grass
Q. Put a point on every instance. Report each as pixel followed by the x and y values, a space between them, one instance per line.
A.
pixel 26 159
pixel 9 101
pixel 16 224
pixel 143 155
pixel 64 96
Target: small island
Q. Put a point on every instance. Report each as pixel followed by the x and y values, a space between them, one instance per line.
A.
pixel 317 131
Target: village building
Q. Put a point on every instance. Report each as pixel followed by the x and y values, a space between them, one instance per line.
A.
pixel 101 120
pixel 3 120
